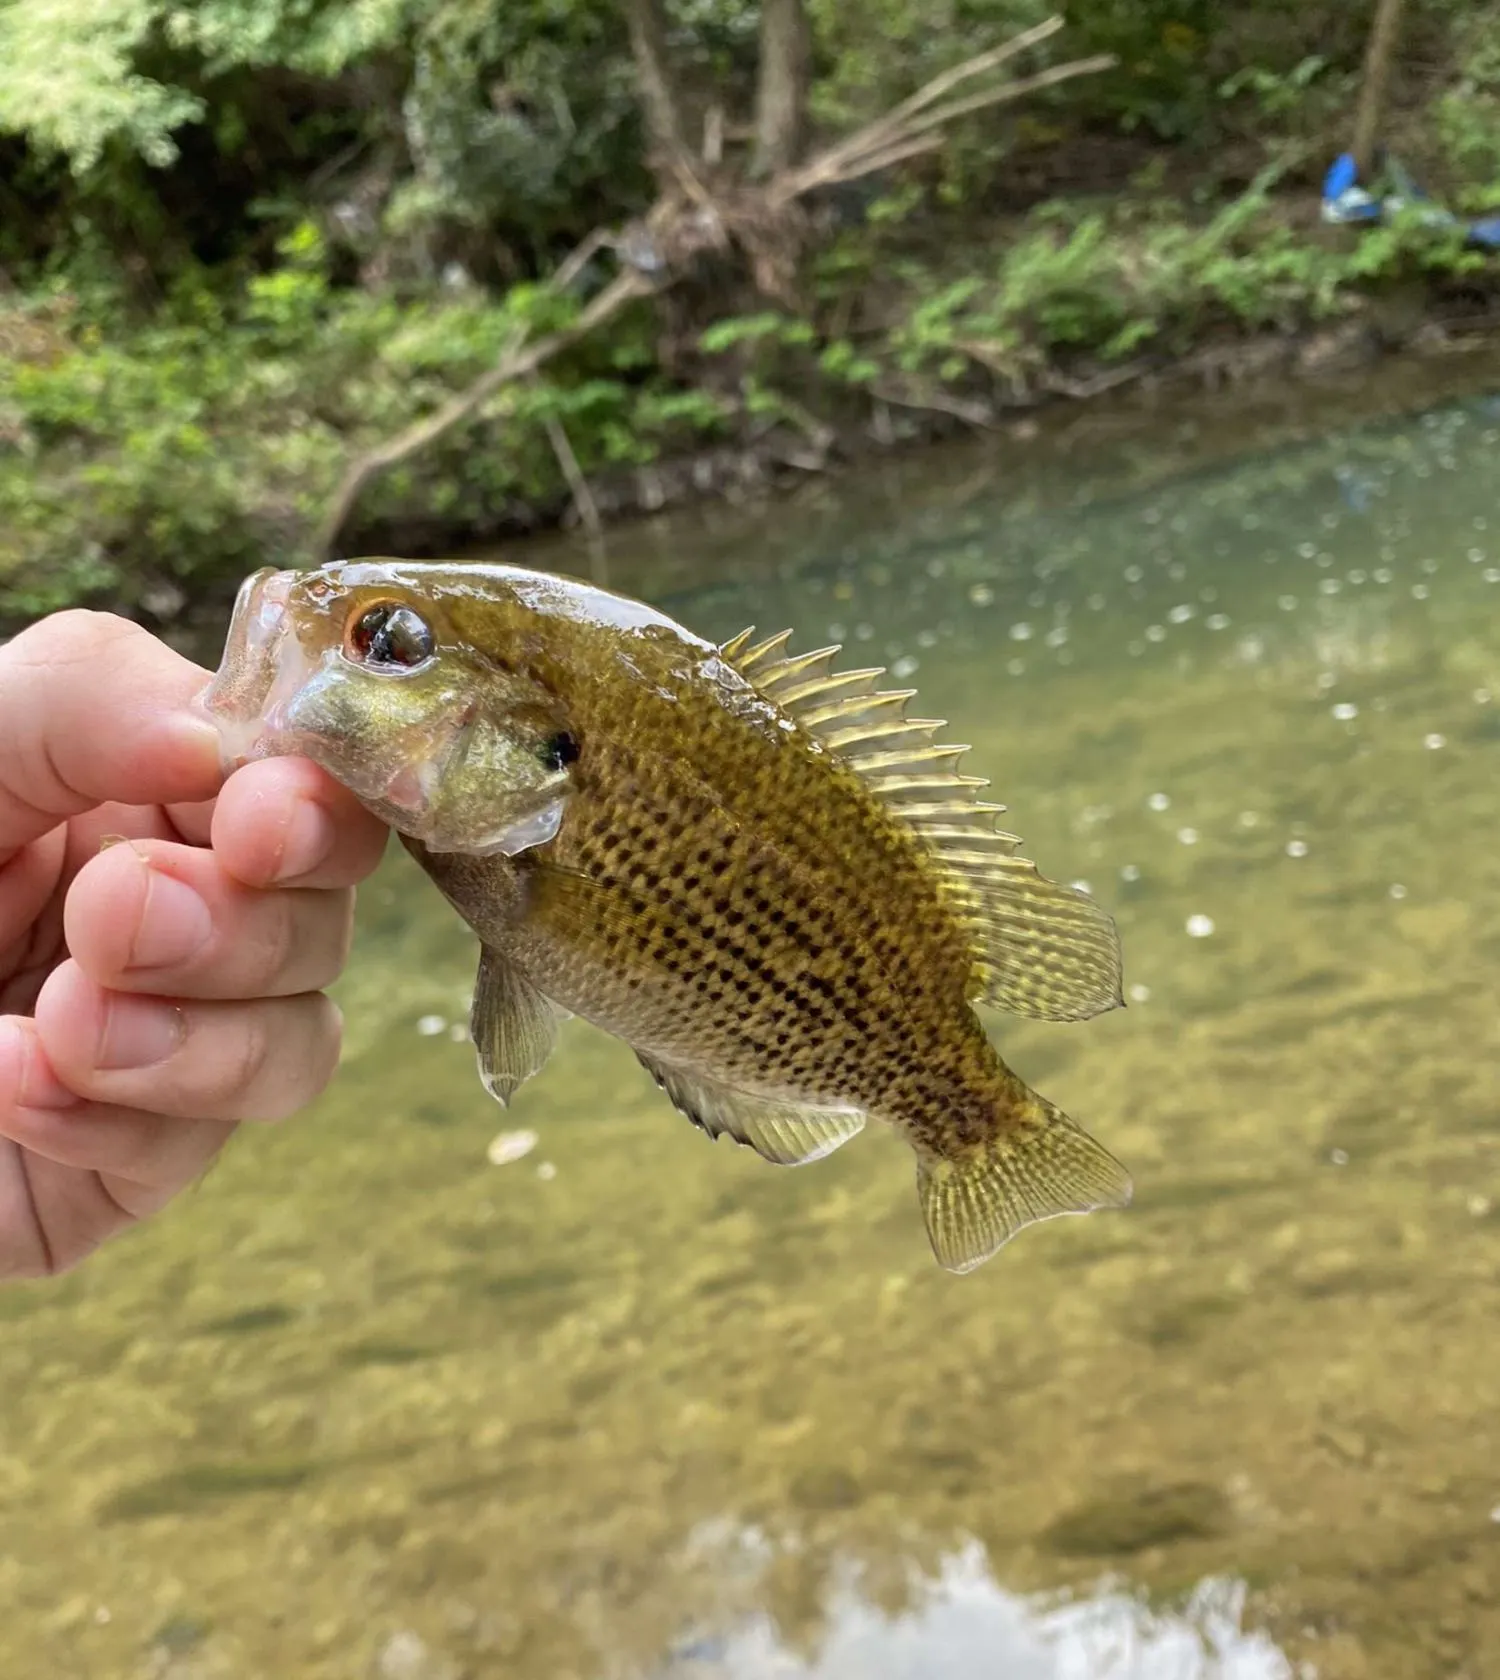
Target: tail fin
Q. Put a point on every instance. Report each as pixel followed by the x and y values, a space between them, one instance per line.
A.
pixel 1039 1164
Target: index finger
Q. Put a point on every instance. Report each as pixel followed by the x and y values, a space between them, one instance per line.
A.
pixel 284 822
pixel 93 708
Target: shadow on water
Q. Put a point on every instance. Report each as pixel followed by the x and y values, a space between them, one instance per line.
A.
pixel 627 1406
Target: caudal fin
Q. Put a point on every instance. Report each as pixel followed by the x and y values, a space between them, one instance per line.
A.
pixel 1039 1165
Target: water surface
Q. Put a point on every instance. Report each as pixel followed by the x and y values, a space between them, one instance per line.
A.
pixel 636 1407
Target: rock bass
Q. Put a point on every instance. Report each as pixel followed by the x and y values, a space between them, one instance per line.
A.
pixel 754 868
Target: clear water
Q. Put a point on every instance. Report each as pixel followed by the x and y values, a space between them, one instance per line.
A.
pixel 635 1407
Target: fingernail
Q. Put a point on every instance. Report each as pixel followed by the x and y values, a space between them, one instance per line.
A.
pixel 309 839
pixel 36 1086
pixel 175 924
pixel 190 743
pixel 196 732
pixel 15 1054
pixel 139 1032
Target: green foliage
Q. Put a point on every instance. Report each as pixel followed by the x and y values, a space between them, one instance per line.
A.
pixel 69 83
pixel 274 232
pixel 875 53
pixel 1111 283
pixel 1275 93
pixel 73 81
pixel 1467 116
pixel 515 112
pixel 208 441
pixel 769 327
pixel 1166 50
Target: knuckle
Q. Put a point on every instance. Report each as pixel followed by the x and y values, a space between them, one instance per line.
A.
pixel 72 636
pixel 313 1042
pixel 277 944
pixel 302 941
pixel 233 1085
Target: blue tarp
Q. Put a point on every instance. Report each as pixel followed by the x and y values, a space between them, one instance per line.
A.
pixel 1345 200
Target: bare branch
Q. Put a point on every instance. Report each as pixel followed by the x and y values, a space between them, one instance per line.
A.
pixel 713 136
pixel 887 140
pixel 578 485
pixel 896 118
pixel 871 163
pixel 517 362
pixel 1003 95
pixel 979 65
pixel 977 414
pixel 578 259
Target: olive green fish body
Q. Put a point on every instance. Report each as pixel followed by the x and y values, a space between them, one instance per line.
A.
pixel 753 868
pixel 736 917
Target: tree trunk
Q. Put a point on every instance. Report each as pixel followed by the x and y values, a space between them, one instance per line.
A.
pixel 1379 55
pixel 653 69
pixel 781 95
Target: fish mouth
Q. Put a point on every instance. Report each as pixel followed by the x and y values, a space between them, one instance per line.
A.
pixel 241 700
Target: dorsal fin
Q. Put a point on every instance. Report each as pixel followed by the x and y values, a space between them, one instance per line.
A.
pixel 1041 949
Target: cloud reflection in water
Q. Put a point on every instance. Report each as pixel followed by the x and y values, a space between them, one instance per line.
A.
pixel 960 1625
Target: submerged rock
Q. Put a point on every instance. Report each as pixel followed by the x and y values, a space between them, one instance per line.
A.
pixel 1153 1516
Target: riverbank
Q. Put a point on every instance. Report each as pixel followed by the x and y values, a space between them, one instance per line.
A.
pixel 163 518
pixel 187 378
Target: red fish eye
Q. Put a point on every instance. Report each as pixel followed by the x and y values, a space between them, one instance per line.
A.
pixel 390 635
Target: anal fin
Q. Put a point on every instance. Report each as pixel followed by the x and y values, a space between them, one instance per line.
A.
pixel 784 1133
pixel 1038 1166
pixel 513 1026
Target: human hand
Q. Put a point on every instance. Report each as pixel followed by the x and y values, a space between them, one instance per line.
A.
pixel 154 993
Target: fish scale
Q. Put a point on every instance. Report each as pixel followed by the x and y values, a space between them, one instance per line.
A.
pixel 756 870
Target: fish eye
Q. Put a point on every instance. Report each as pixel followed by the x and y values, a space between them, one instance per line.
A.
pixel 390 635
pixel 559 751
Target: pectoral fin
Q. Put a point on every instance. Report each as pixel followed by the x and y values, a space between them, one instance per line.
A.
pixel 513 1026
pixel 786 1134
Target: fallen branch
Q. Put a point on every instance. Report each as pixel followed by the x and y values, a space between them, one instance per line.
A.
pixel 583 498
pixel 884 143
pixel 578 259
pixel 972 413
pixel 520 360
pixel 1081 390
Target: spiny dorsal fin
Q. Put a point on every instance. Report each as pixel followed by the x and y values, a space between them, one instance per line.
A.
pixel 1041 949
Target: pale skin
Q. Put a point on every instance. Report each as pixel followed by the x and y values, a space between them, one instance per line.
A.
pixel 158 993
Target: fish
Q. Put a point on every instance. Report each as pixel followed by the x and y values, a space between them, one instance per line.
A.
pixel 752 866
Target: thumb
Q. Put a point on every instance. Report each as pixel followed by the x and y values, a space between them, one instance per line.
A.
pixel 93 709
